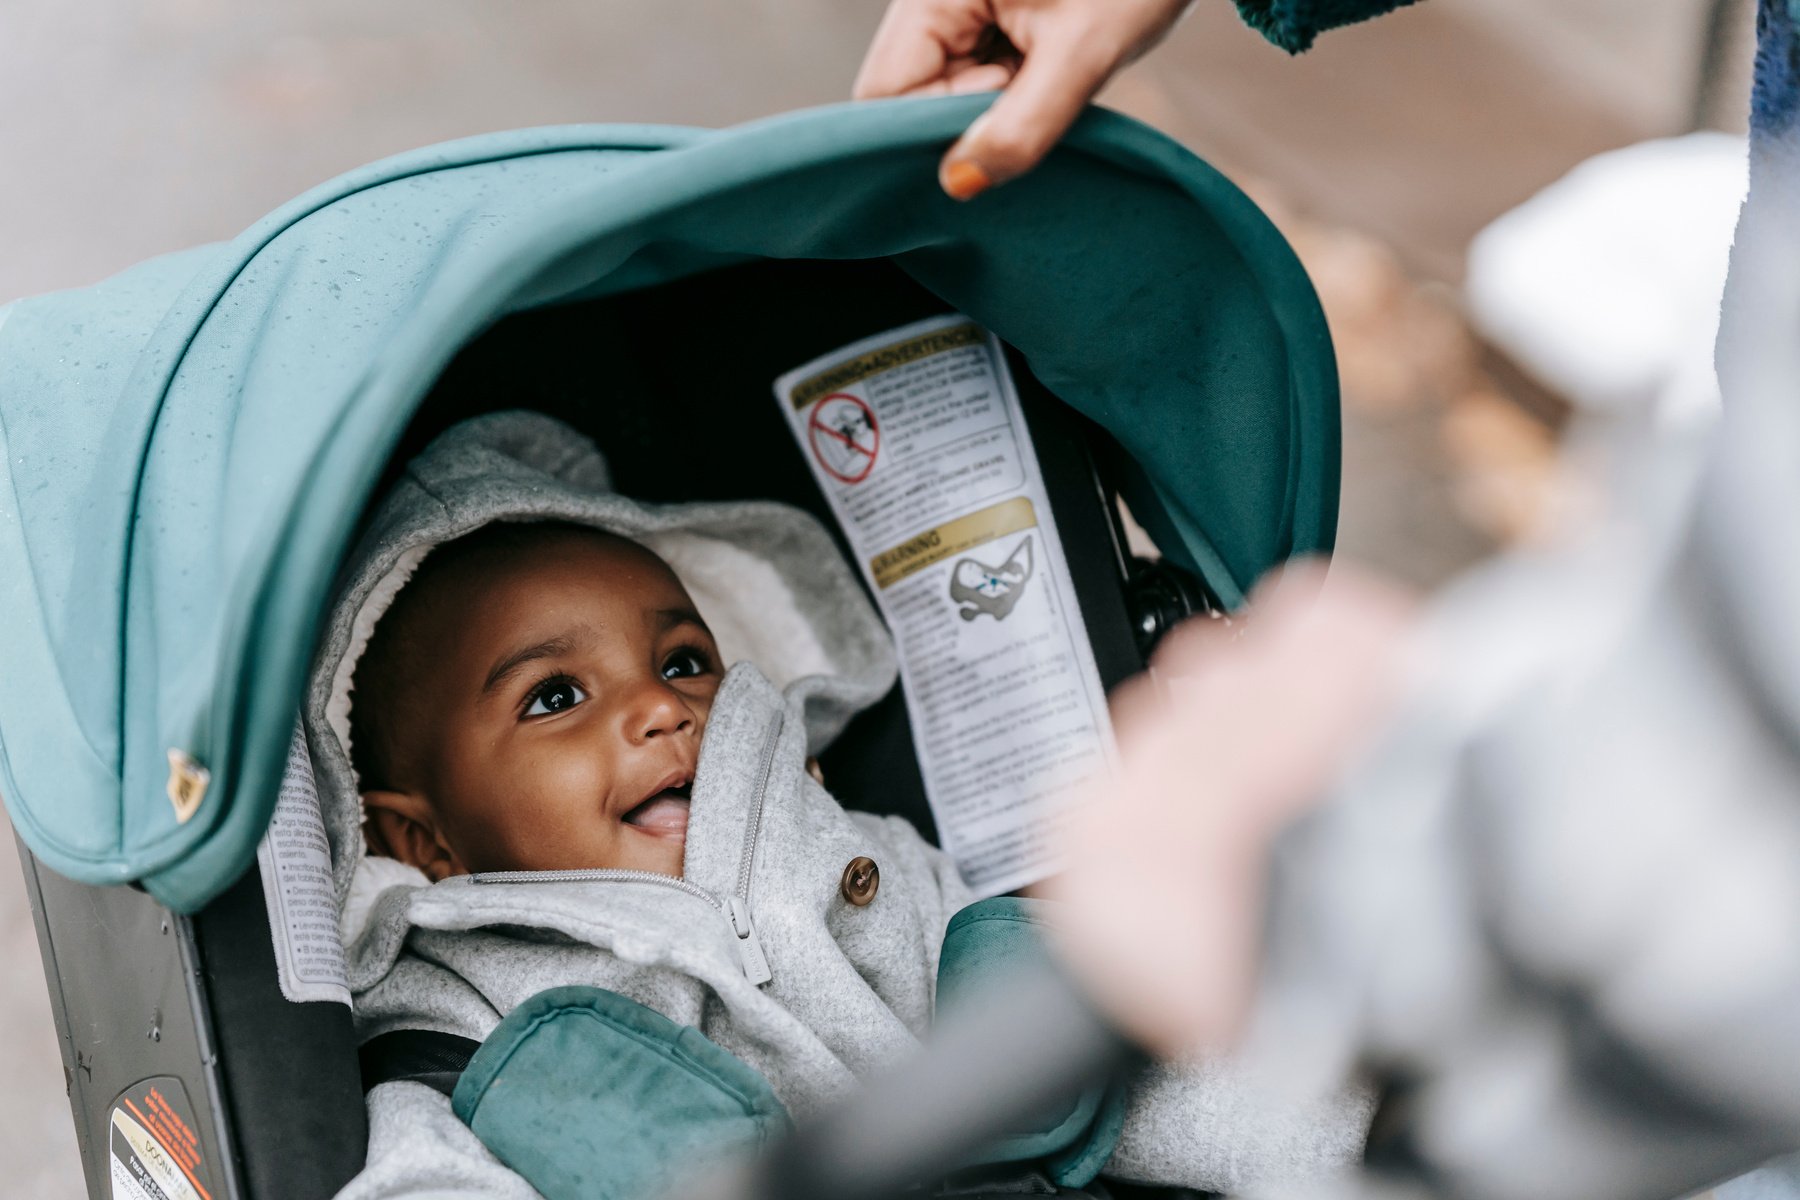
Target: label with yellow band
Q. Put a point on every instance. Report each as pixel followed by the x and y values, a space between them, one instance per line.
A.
pixel 951 538
pixel 917 438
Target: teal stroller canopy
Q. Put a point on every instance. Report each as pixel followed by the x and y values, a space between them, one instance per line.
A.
pixel 188 447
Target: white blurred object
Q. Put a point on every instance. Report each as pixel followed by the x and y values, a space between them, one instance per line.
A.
pixel 1606 284
pixel 1777 1181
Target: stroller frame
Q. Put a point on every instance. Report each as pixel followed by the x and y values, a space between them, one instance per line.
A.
pixel 268 1090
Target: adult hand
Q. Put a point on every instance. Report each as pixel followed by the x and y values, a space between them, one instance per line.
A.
pixel 1050 56
pixel 1223 745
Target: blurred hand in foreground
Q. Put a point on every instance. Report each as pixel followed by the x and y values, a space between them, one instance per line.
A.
pixel 1050 56
pixel 1223 744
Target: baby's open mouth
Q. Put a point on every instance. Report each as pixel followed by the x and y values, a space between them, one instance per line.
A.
pixel 664 814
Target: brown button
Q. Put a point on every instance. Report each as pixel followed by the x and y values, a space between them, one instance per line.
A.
pixel 862 879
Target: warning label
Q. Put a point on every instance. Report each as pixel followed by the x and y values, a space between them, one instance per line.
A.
pixel 155 1153
pixel 295 858
pixel 933 477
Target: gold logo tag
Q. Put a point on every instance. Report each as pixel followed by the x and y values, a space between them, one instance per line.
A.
pixel 187 784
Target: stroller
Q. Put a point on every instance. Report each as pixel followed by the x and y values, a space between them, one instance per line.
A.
pixel 189 449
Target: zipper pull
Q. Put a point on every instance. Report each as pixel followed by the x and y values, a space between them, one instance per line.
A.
pixel 756 964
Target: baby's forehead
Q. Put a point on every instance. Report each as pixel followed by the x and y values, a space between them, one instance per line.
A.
pixel 509 570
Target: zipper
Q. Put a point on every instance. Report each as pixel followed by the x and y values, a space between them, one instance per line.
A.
pixel 597 875
pixel 753 828
pixel 735 908
pixel 756 965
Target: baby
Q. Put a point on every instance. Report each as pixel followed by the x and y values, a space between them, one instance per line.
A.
pixel 534 701
pixel 559 784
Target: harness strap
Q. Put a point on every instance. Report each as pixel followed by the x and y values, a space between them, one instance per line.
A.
pixel 425 1056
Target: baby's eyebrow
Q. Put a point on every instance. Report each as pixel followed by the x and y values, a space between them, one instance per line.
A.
pixel 562 643
pixel 669 618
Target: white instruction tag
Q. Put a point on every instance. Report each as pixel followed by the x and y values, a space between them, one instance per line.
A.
pixel 295 858
pixel 918 441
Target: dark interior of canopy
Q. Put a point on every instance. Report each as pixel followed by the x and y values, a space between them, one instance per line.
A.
pixel 674 383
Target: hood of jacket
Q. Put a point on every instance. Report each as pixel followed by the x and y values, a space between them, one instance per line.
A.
pixel 766 577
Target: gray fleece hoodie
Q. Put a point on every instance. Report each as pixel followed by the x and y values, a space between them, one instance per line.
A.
pixel 756 946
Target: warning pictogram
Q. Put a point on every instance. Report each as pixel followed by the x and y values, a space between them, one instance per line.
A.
pixel 844 438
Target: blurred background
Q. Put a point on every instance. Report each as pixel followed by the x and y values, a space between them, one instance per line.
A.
pixel 135 128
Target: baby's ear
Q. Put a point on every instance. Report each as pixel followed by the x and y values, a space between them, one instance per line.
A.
pixel 401 825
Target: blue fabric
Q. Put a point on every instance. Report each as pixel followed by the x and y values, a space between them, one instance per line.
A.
pixel 1775 93
pixel 591 1096
pixel 986 942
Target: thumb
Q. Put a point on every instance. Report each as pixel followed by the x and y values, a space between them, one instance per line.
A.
pixel 1054 83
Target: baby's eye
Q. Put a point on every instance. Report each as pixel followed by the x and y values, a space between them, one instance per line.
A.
pixel 685 664
pixel 554 696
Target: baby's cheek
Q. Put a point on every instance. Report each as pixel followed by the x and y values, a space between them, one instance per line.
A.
pixel 577 780
pixel 569 795
pixel 545 805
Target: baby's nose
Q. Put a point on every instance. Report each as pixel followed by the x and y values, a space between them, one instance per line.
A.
pixel 657 710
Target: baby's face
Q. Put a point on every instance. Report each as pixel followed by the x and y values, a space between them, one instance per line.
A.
pixel 560 708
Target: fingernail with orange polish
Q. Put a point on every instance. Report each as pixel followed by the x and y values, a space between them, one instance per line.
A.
pixel 964 179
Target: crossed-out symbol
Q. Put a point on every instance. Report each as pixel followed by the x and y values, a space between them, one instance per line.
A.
pixel 844 437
